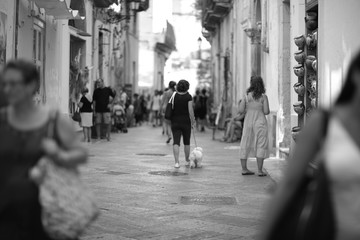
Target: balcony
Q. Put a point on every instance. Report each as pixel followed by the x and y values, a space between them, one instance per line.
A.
pixel 213 12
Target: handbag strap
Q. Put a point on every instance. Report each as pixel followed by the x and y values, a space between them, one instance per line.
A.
pixel 172 99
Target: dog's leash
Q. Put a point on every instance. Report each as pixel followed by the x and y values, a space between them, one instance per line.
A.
pixel 194 137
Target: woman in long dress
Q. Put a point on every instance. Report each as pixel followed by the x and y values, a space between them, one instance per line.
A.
pixel 254 141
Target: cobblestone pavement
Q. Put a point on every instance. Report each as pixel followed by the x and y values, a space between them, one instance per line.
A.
pixel 142 196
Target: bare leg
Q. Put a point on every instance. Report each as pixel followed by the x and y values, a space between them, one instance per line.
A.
pixel 169 130
pixel 98 130
pixel 89 134
pixel 260 163
pixel 85 134
pixel 187 152
pixel 176 153
pixel 108 130
pixel 245 170
pixel 232 130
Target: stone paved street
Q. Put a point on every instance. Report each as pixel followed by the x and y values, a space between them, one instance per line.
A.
pixel 215 202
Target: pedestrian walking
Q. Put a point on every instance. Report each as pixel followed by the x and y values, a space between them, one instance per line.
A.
pixel 138 109
pixel 102 98
pixel 155 108
pixel 254 141
pixel 197 107
pixel 24 130
pixel 203 110
pixel 166 97
pixel 329 145
pixel 86 112
pixel 182 120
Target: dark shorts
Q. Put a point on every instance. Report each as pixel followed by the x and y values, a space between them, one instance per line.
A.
pixel 181 129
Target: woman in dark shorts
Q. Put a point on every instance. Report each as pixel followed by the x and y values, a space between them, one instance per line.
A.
pixel 182 120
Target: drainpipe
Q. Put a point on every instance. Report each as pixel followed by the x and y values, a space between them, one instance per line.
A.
pixel 17 27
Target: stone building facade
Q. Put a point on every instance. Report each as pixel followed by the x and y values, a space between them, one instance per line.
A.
pixel 256 37
pixel 73 43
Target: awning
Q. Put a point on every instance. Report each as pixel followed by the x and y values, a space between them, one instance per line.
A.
pixel 60 9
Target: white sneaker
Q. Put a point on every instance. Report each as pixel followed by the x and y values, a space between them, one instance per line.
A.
pixel 177 165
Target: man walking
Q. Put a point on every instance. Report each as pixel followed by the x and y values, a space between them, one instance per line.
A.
pixel 102 105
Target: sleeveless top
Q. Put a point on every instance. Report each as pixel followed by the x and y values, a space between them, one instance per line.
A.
pixel 20 209
pixel 341 156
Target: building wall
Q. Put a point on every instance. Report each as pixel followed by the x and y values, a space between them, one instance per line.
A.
pixel 338 43
pixel 297 25
pixel 7 8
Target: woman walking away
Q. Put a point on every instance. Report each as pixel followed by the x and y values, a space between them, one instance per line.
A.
pixel 86 113
pixel 330 140
pixel 254 141
pixel 24 128
pixel 166 97
pixel 203 109
pixel 182 120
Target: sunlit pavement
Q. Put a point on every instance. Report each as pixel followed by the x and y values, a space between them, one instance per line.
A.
pixel 142 196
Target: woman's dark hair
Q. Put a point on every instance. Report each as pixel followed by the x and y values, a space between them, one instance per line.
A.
pixel 172 85
pixel 256 87
pixel 182 86
pixel 28 70
pixel 84 91
pixel 203 91
pixel 348 91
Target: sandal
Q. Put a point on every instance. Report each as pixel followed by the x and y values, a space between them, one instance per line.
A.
pixel 247 173
pixel 262 174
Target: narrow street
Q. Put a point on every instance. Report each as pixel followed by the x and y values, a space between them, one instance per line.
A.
pixel 142 196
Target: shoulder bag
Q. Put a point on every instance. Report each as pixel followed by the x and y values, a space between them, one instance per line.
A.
pixel 170 107
pixel 76 116
pixel 68 207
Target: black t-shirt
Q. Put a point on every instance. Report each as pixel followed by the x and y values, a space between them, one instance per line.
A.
pixel 181 108
pixel 101 98
pixel 86 105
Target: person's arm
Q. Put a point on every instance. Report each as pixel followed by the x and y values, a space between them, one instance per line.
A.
pixel 307 147
pixel 81 103
pixel 111 97
pixel 94 101
pixel 70 154
pixel 191 113
pixel 242 106
pixel 266 108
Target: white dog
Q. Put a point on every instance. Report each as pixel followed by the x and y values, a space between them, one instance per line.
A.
pixel 196 157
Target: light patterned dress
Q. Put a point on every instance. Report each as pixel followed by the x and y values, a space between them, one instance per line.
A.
pixel 254 141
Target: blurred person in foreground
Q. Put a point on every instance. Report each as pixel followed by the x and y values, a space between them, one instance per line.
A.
pixel 182 120
pixel 86 112
pixel 331 140
pixel 23 142
pixel 165 100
